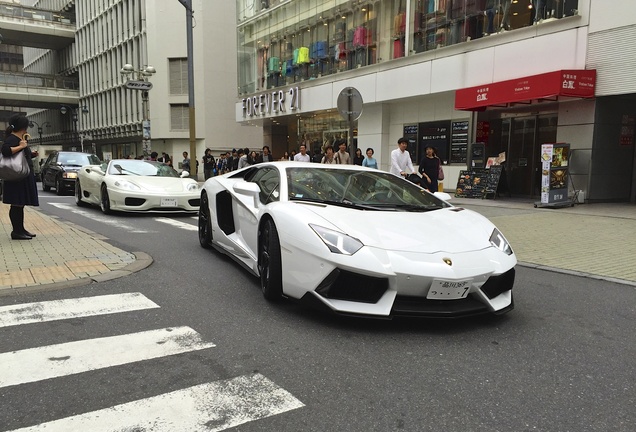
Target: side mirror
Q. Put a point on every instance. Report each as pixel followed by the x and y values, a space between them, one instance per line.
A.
pixel 184 174
pixel 248 189
pixel 442 195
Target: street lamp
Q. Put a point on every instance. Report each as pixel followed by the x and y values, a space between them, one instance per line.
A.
pixel 45 124
pixel 140 82
pixel 64 109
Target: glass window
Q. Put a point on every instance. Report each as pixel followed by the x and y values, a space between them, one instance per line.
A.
pixel 179 117
pixel 178 71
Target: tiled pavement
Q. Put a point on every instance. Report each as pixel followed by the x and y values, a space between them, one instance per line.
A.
pixel 61 255
pixel 592 240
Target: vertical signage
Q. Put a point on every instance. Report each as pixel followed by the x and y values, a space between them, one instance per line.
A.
pixel 459 142
pixel 437 135
pixel 410 133
pixel 554 173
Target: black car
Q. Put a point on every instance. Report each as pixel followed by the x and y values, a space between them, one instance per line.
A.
pixel 60 169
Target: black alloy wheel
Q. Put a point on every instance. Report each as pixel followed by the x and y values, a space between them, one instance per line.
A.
pixel 269 262
pixel 105 200
pixel 58 186
pixel 78 194
pixel 205 224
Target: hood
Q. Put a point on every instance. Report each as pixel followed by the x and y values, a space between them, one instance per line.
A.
pixel 160 184
pixel 449 230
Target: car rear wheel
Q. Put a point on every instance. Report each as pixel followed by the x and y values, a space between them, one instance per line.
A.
pixel 205 224
pixel 78 194
pixel 105 200
pixel 269 262
pixel 58 186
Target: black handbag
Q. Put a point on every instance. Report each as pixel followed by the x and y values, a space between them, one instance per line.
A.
pixel 14 167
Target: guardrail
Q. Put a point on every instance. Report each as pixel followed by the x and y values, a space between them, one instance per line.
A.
pixel 19 11
pixel 38 81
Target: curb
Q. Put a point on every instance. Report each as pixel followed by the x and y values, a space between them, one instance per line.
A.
pixel 142 261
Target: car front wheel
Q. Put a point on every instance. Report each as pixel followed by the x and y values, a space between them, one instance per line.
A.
pixel 269 262
pixel 105 200
pixel 205 225
pixel 78 194
pixel 58 186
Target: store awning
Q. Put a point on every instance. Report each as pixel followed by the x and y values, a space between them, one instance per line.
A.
pixel 547 86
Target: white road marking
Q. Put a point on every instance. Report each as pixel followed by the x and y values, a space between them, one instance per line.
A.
pixel 207 407
pixel 54 310
pixel 106 220
pixel 35 364
pixel 178 224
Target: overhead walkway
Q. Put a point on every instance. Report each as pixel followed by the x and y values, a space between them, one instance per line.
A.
pixel 37 91
pixel 37 28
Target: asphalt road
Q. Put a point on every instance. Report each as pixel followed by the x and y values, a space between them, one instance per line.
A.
pixel 563 360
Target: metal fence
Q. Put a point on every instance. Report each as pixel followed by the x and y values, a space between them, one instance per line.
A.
pixel 19 11
pixel 22 80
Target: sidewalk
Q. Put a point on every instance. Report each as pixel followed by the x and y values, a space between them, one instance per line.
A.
pixel 591 240
pixel 62 255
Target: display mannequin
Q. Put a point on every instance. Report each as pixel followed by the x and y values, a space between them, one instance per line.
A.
pixel 539 11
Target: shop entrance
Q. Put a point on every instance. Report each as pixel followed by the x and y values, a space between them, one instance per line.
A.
pixel 521 138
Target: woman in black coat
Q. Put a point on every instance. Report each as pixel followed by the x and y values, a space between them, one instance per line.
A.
pixel 24 191
pixel 429 168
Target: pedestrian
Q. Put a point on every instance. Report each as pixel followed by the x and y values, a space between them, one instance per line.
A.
pixel 266 156
pixel 358 158
pixel 253 158
pixel 285 156
pixel 185 165
pixel 153 156
pixel 429 169
pixel 24 191
pixel 328 157
pixel 292 156
pixel 209 164
pixel 302 156
pixel 369 160
pixel 243 160
pixel 401 163
pixel 342 156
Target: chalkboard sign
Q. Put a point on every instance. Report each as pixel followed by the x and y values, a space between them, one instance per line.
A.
pixel 472 183
pixel 492 181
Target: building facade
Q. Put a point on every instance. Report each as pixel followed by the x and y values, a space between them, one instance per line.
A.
pixel 113 119
pixel 511 74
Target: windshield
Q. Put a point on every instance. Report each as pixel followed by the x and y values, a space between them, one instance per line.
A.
pixel 370 190
pixel 140 168
pixel 77 159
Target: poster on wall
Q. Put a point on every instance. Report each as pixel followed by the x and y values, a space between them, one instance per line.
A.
pixel 459 142
pixel 554 173
pixel 437 135
pixel 410 133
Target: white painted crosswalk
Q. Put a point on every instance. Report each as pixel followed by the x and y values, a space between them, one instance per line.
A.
pixel 72 308
pixel 213 406
pixel 209 407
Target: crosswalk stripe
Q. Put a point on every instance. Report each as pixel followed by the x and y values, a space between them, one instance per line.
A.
pixel 54 310
pixel 34 364
pixel 207 407
pixel 116 222
pixel 178 224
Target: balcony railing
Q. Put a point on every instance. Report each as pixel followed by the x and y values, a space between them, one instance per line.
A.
pixel 19 11
pixel 22 80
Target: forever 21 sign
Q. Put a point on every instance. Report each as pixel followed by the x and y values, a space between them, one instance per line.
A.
pixel 275 102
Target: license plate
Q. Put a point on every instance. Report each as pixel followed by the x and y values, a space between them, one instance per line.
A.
pixel 449 290
pixel 168 202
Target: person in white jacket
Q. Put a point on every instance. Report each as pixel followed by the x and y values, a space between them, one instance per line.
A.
pixel 401 159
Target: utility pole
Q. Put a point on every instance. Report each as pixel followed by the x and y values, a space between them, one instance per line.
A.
pixel 191 113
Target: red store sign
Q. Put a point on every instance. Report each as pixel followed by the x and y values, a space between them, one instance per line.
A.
pixel 569 83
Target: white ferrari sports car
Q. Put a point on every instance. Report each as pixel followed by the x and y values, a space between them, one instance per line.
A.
pixel 133 185
pixel 357 241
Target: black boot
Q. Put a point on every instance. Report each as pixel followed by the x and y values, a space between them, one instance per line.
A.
pixel 16 215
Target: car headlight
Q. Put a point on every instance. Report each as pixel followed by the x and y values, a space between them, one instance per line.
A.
pixel 69 175
pixel 190 187
pixel 126 185
pixel 499 241
pixel 336 241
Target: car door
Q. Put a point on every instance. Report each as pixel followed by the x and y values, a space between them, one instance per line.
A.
pixel 91 179
pixel 246 217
